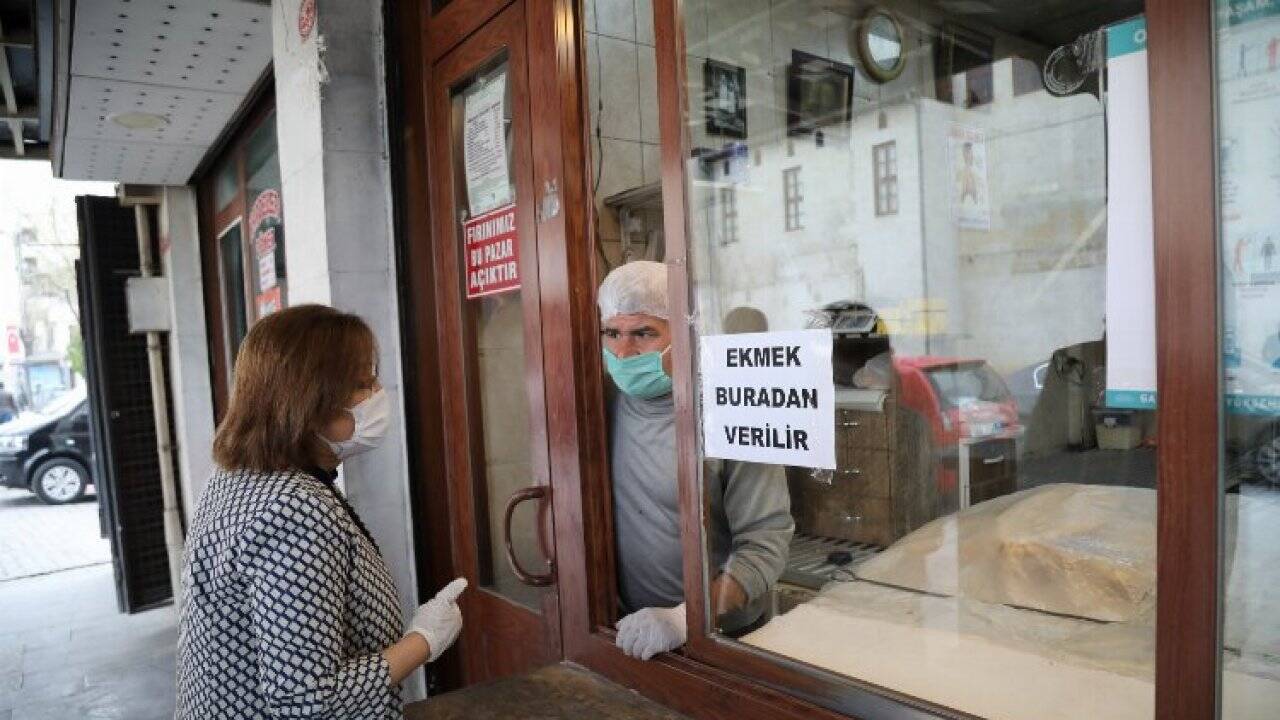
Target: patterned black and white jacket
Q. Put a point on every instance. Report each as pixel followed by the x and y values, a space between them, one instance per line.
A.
pixel 287 605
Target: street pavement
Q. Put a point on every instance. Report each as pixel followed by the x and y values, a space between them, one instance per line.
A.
pixel 36 538
pixel 66 651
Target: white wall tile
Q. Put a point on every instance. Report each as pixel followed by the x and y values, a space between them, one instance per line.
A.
pixel 623 167
pixel 738 32
pixel 695 120
pixel 618 65
pixel 644 22
pixel 616 18
pixel 651 163
pixel 842 44
pixel 648 95
pixel 595 65
pixel 797 27
pixel 695 27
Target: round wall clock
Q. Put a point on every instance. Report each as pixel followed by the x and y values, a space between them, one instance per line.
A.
pixel 881 45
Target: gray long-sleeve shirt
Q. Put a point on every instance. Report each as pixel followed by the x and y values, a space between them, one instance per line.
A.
pixel 750 524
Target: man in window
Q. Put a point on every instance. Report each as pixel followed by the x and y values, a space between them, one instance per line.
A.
pixel 749 522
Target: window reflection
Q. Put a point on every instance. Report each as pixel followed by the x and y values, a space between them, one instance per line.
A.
pixel 986 540
pixel 265 218
pixel 1248 107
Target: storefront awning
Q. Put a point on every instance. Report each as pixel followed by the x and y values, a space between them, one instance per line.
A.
pixel 146 87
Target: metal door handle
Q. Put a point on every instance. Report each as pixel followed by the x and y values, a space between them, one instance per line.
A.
pixel 536 492
pixel 851 423
pixel 993 461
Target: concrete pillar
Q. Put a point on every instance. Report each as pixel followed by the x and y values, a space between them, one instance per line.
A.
pixel 330 110
pixel 192 399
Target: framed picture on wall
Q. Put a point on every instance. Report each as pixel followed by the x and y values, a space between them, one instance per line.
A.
pixel 961 51
pixel 819 93
pixel 724 92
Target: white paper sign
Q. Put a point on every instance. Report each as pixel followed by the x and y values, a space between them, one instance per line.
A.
pixel 769 398
pixel 1131 280
pixel 484 148
pixel 266 271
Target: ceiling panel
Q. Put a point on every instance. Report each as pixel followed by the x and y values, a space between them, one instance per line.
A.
pixel 138 163
pixel 194 116
pixel 198 45
pixel 189 62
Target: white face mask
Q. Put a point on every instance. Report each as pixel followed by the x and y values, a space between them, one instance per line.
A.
pixel 372 416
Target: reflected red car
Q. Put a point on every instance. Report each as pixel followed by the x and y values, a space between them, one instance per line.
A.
pixel 963 400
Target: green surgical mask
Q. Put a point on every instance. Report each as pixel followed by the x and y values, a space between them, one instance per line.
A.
pixel 640 376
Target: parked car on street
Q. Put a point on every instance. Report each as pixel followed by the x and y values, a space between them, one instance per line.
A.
pixel 49 451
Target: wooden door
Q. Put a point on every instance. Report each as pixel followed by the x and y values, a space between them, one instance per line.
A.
pixel 490 331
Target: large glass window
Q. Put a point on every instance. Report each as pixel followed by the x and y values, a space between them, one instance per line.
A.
pixel 244 222
pixel 627 225
pixel 266 217
pixel 495 330
pixel 231 253
pixel 1248 94
pixel 949 256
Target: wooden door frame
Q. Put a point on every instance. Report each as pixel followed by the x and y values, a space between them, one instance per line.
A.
pixel 213 222
pixel 408 80
pixel 581 498
pixel 455 22
pixel 1180 51
pixel 541 631
pixel 1189 497
pixel 698 681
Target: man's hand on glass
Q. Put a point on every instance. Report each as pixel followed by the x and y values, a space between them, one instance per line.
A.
pixel 647 632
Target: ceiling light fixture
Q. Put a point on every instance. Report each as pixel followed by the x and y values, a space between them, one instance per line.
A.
pixel 139 120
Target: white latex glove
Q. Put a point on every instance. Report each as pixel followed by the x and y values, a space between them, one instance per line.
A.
pixel 439 620
pixel 647 632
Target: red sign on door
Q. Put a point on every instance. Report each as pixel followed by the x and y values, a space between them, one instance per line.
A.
pixel 269 301
pixel 14 340
pixel 492 252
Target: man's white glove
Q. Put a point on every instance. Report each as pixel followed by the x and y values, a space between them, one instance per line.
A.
pixel 645 633
pixel 439 620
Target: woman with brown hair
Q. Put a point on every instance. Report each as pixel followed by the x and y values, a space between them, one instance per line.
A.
pixel 288 608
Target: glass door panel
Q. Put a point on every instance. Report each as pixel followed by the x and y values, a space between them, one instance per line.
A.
pixel 266 219
pixel 493 307
pixel 231 253
pixel 486 249
pixel 1248 94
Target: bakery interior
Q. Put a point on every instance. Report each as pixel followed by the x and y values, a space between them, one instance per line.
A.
pixel 930 181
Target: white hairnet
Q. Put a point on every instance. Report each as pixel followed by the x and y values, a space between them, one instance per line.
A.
pixel 638 287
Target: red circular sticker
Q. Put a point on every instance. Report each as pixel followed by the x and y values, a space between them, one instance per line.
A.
pixel 306 18
pixel 265 207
